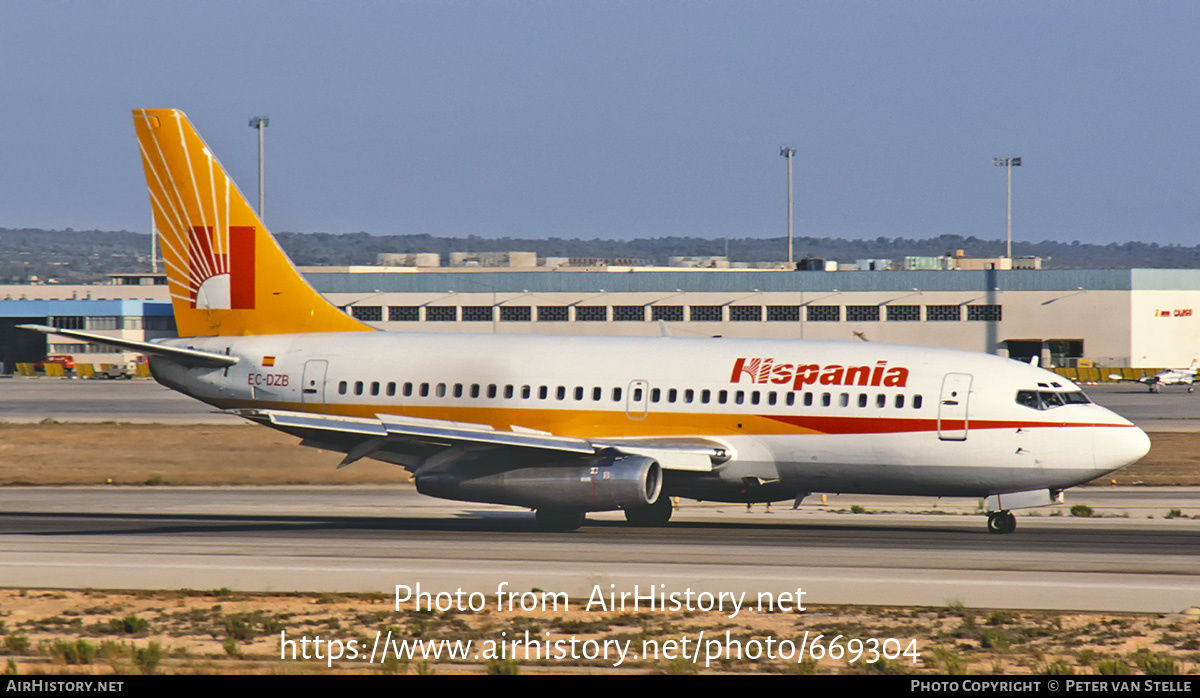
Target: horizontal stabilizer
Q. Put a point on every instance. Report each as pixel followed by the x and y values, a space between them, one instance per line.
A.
pixel 193 357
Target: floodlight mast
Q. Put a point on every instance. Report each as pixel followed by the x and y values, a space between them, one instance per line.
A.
pixel 1008 163
pixel 788 153
pixel 260 123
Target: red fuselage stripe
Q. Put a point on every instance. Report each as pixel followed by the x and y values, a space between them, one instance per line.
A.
pixel 867 425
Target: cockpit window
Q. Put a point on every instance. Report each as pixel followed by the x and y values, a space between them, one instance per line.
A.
pixel 1046 400
pixel 1076 398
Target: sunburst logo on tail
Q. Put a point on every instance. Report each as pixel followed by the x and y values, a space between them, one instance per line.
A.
pixel 223 262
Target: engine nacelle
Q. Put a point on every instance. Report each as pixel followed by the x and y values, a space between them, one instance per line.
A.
pixel 607 483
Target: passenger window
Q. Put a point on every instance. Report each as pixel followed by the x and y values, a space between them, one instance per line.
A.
pixel 754 397
pixel 579 392
pixel 408 390
pixel 458 390
pixel 739 396
pixel 705 396
pixel 899 402
pixel 881 400
pixel 475 390
pixel 391 388
pixel 637 394
pixel 771 398
pixel 616 394
pixel 791 399
pixel 597 394
pixel 826 399
pixel 358 386
pixel 862 399
pixel 441 390
pixel 722 396
pixel 526 391
pixel 491 391
pixel 808 399
pixel 689 395
pixel 424 390
pixel 374 387
pixel 508 392
pixel 543 392
pixel 916 402
pixel 342 388
pixel 561 393
pixel 655 394
pixel 672 394
pixel 844 400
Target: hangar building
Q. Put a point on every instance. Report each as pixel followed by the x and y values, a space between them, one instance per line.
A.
pixel 1106 317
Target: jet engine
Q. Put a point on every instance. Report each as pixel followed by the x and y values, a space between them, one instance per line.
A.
pixel 610 482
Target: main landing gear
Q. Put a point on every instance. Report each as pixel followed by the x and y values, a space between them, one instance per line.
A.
pixel 559 519
pixel 1001 522
pixel 656 514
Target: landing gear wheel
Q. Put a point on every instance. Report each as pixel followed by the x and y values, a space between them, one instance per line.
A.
pixel 656 514
pixel 1001 522
pixel 559 519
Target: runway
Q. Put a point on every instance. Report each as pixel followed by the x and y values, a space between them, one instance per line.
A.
pixel 139 401
pixel 369 539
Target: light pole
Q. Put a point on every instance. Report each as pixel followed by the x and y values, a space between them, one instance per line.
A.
pixel 788 153
pixel 1008 164
pixel 260 123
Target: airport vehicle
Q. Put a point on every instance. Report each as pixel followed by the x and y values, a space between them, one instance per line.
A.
pixel 65 360
pixel 1170 376
pixel 568 425
pixel 117 371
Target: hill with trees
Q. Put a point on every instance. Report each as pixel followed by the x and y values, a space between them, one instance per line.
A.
pixel 87 256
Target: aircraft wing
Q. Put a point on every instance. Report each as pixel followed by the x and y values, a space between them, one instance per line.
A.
pixel 1118 378
pixel 424 445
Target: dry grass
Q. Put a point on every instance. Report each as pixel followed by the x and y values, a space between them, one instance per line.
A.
pixel 220 631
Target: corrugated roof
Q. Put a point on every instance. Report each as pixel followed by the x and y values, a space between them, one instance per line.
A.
pixel 767 281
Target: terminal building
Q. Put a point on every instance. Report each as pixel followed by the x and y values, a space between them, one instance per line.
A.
pixel 1107 318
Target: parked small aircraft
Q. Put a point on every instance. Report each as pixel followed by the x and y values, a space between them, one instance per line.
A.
pixel 1170 376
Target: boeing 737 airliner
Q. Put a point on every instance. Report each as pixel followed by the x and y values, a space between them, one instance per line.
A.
pixel 568 425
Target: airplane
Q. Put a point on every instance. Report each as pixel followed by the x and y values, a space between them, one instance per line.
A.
pixel 570 425
pixel 1170 376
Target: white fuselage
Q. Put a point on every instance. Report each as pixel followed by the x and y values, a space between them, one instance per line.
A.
pixel 796 416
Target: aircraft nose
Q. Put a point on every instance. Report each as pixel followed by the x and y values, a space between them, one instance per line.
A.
pixel 1117 447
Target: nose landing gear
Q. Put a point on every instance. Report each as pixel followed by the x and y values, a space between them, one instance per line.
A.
pixel 1001 522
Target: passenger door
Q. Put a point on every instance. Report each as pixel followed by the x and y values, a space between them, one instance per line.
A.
pixel 312 387
pixel 952 407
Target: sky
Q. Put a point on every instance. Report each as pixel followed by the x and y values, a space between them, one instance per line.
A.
pixel 621 119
